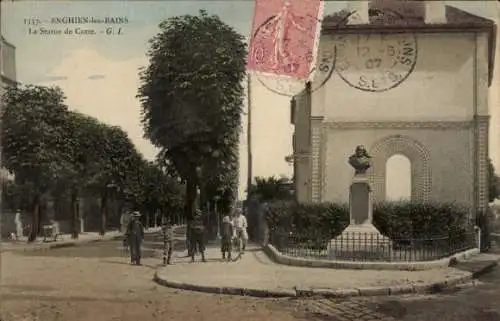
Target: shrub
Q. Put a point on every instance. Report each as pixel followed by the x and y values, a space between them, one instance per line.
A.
pixel 314 223
pixel 420 220
pixel 328 219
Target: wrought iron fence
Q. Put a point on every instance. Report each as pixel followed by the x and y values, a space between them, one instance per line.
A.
pixel 371 247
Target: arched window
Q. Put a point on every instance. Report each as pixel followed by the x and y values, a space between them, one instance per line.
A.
pixel 398 178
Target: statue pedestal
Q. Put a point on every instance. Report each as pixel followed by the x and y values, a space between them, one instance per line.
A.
pixel 360 239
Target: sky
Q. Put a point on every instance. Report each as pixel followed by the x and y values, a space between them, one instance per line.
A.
pixel 99 73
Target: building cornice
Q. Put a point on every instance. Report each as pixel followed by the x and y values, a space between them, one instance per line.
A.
pixel 400 125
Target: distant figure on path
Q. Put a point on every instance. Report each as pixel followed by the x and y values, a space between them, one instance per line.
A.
pixel 168 231
pixel 19 225
pixel 226 237
pixel 197 236
pixel 124 220
pixel 134 237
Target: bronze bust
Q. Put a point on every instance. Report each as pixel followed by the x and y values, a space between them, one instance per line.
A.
pixel 360 160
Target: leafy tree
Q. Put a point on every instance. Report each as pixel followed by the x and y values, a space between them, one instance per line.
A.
pixel 15 196
pixel 83 134
pixel 160 192
pixel 192 94
pixel 494 183
pixel 271 189
pixel 220 176
pixel 33 140
pixel 118 168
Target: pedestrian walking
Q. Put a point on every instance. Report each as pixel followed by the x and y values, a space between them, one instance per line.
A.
pixel 240 226
pixel 168 237
pixel 134 237
pixel 226 237
pixel 197 236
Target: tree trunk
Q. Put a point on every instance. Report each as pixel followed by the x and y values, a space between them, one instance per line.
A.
pixel 104 205
pixel 190 206
pixel 35 222
pixel 75 221
pixel 191 195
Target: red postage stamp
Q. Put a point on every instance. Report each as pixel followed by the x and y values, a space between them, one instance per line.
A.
pixel 284 37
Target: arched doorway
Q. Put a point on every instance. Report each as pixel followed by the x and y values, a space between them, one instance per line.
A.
pixel 398 178
pixel 418 156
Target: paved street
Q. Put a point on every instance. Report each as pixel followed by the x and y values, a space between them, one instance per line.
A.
pixel 95 282
pixel 478 303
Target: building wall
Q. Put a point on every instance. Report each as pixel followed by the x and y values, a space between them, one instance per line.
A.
pixel 439 87
pixel 302 146
pixel 495 105
pixel 8 58
pixel 437 117
pixel 446 172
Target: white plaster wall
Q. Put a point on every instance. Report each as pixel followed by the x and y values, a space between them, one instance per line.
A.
pixel 439 88
pixel 494 105
pixel 450 160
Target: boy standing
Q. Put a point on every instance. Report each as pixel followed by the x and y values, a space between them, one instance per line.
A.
pixel 197 236
pixel 226 237
pixel 168 237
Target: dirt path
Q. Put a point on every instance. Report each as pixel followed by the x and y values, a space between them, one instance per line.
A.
pixel 95 283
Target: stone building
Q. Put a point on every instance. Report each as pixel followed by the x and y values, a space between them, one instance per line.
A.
pixel 7 77
pixel 404 78
pixel 7 61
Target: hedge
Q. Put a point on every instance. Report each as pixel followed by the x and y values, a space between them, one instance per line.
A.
pixel 397 220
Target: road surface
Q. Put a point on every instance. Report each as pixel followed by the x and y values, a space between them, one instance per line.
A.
pixel 479 303
pixel 96 282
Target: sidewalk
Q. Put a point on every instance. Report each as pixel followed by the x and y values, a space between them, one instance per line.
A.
pixel 63 240
pixel 256 275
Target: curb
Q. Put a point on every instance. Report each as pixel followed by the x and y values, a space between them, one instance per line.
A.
pixel 71 244
pixel 428 288
pixel 283 259
pixel 225 290
pixel 47 247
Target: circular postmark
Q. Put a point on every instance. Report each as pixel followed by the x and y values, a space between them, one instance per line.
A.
pixel 376 62
pixel 322 66
pixel 288 86
pixel 321 63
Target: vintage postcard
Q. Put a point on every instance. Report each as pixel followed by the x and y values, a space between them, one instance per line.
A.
pixel 282 160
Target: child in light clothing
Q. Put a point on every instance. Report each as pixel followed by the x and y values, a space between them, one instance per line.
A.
pixel 240 226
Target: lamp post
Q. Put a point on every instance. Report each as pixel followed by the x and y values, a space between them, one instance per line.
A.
pixel 249 136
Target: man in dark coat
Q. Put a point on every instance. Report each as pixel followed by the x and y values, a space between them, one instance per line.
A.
pixel 134 237
pixel 197 236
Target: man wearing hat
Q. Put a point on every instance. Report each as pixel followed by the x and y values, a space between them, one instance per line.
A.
pixel 197 236
pixel 134 237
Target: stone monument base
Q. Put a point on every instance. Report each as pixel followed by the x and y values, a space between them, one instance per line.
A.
pixel 361 241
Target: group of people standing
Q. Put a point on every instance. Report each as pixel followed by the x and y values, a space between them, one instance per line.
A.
pixel 234 227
